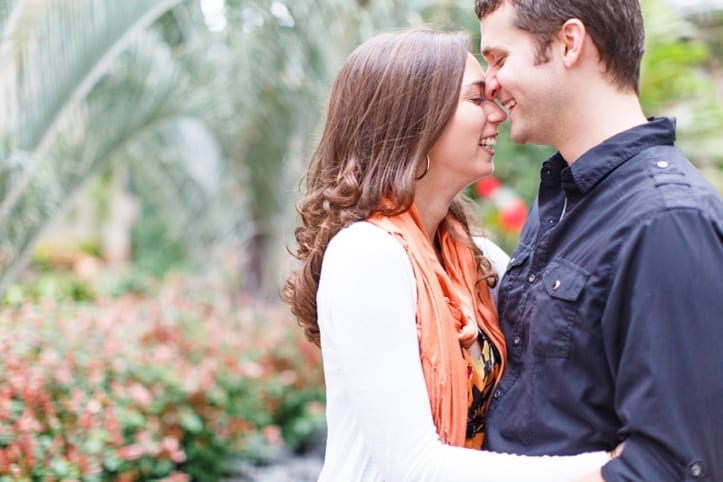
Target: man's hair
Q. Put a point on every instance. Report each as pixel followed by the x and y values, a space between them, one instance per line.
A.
pixel 615 27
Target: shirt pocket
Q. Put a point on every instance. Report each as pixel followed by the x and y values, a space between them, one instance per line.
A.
pixel 558 307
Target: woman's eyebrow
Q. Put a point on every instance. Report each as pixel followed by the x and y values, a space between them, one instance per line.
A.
pixel 476 83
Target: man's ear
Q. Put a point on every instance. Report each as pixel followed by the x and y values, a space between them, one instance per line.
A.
pixel 572 41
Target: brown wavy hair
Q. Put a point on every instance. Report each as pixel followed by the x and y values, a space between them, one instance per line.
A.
pixel 388 105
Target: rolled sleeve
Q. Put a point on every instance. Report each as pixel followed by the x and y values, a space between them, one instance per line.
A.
pixel 664 342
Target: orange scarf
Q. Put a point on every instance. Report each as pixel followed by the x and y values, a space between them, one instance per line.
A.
pixel 443 300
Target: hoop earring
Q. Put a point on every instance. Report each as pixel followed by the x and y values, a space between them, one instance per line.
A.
pixel 426 170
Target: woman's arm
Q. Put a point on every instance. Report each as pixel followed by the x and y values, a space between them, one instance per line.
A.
pixel 369 313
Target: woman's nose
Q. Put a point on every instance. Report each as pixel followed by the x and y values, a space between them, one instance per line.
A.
pixel 495 113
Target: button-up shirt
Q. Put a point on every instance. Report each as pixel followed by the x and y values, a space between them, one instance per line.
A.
pixel 612 308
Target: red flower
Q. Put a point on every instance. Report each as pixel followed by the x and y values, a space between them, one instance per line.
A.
pixel 513 215
pixel 486 186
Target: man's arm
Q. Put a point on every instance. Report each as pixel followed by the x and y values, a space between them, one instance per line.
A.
pixel 663 331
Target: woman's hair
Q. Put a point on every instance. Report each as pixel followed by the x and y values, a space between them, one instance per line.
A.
pixel 388 105
pixel 616 28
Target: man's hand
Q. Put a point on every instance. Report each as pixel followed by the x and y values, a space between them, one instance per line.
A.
pixel 597 476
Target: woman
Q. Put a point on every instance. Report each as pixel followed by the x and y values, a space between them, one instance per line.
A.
pixel 391 285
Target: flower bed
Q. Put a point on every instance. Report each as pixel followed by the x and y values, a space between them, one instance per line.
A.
pixel 167 386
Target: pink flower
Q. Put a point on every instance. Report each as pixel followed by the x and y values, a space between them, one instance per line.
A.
pixel 63 375
pixel 28 423
pixel 272 435
pixel 173 448
pixel 315 408
pixel 252 369
pixel 140 394
pixel 176 477
pixel 130 452
pixel 287 377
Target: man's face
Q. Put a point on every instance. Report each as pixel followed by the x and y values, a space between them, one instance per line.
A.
pixel 528 89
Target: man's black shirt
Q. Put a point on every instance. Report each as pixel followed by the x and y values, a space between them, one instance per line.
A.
pixel 612 308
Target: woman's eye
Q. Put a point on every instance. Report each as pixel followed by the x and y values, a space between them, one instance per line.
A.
pixel 478 100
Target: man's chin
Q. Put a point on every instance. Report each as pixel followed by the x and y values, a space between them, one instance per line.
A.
pixel 517 136
pixel 521 136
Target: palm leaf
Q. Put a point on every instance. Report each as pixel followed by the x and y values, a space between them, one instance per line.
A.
pixel 144 93
pixel 69 45
pixel 9 12
pixel 192 203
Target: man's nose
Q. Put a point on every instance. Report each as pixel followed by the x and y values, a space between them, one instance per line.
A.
pixel 492 87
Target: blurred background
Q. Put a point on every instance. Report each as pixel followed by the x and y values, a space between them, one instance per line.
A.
pixel 150 158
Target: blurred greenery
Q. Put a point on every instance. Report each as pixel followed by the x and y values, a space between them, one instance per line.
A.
pixel 189 122
pixel 173 384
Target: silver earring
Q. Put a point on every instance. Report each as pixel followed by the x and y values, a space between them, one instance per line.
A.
pixel 426 169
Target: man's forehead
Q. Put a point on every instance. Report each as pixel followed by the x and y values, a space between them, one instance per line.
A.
pixel 496 27
pixel 487 41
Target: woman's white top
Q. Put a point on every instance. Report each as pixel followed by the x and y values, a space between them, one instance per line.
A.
pixel 379 420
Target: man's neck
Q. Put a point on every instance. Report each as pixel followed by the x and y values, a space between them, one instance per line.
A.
pixel 596 118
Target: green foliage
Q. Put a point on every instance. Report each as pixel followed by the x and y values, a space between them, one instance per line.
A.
pixel 677 80
pixel 70 47
pixel 155 250
pixel 48 285
pixel 174 384
pixel 674 53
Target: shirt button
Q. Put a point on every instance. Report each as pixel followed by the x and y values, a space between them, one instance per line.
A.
pixel 662 164
pixel 531 278
pixel 556 285
pixel 497 394
pixel 516 340
pixel 696 469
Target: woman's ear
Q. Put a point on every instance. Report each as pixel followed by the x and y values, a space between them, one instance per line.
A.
pixel 572 41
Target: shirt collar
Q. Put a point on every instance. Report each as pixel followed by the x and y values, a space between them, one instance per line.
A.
pixel 596 163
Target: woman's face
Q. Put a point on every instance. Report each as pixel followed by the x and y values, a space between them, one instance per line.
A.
pixel 463 153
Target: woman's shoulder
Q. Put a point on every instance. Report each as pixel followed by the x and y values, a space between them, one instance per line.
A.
pixel 363 256
pixel 363 237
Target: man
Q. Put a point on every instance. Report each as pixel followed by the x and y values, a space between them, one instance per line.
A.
pixel 612 305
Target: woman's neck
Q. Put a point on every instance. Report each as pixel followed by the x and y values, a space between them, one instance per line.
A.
pixel 432 208
pixel 431 213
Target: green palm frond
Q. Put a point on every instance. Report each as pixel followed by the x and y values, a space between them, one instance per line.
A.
pixel 193 202
pixel 66 48
pixel 9 12
pixel 144 91
pixel 276 64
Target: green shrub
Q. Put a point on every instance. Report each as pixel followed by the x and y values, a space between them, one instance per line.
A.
pixel 169 387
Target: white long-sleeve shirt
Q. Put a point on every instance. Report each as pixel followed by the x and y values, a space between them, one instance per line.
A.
pixel 379 420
